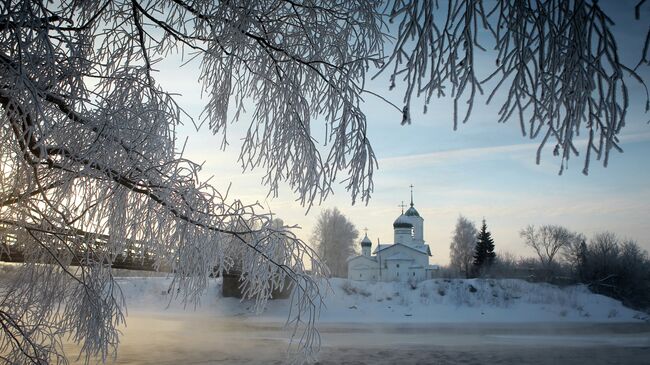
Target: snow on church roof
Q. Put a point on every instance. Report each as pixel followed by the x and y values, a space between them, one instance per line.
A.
pixel 370 258
pixel 420 248
pixel 381 247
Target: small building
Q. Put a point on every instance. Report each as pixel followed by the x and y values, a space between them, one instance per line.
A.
pixel 404 260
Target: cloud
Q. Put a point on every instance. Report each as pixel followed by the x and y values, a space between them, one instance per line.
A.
pixel 489 152
pixel 438 157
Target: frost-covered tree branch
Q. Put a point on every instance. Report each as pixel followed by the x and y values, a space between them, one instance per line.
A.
pixel 88 159
pixel 463 243
pixel 334 239
pixel 558 69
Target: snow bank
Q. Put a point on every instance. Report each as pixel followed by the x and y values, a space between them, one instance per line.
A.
pixel 432 301
pixel 474 300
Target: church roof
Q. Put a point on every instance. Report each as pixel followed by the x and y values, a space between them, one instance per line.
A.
pixel 412 212
pixel 424 249
pixel 381 247
pixel 370 258
pixel 420 248
pixel 402 222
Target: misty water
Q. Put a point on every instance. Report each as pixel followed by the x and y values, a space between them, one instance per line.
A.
pixel 155 338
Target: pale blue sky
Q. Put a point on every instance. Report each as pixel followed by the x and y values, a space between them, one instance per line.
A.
pixel 484 169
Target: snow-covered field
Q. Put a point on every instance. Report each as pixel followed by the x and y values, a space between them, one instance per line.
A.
pixel 432 301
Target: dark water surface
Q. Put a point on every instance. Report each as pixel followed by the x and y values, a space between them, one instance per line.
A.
pixel 192 339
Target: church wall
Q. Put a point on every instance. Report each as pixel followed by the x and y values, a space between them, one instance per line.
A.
pixel 418 229
pixel 398 270
pixel 363 269
pixel 402 270
pixel 363 274
pixel 390 271
pixel 422 260
pixel 403 236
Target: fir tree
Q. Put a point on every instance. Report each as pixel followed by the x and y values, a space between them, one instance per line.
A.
pixel 484 251
pixel 582 261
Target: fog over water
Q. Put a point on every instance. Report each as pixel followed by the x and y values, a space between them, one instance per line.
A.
pixel 155 338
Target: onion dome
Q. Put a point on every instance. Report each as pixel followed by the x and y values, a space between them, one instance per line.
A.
pixel 402 222
pixel 366 242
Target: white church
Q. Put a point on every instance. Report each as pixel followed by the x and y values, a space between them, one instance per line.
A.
pixel 404 260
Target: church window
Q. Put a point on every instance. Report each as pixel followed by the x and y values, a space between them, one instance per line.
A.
pixel 413 273
pixel 397 265
pixel 360 275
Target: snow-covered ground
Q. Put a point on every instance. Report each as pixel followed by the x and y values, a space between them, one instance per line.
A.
pixel 432 301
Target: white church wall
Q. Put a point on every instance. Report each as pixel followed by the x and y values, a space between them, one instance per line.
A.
pixel 398 270
pixel 403 236
pixel 363 269
pixel 422 260
pixel 418 230
pixel 362 274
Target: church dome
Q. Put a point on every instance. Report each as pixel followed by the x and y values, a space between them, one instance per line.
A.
pixel 412 212
pixel 366 241
pixel 402 222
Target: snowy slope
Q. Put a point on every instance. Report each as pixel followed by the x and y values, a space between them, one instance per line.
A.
pixel 474 300
pixel 432 301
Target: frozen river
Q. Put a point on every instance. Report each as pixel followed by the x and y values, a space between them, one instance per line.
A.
pixel 192 339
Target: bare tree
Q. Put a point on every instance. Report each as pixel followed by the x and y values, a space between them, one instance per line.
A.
pixel 547 241
pixel 575 254
pixel 619 268
pixel 604 250
pixel 334 238
pixel 462 245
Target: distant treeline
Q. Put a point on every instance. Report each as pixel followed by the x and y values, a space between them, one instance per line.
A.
pixel 606 263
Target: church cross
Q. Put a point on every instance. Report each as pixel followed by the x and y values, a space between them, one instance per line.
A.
pixel 411 186
pixel 402 206
pixel 365 229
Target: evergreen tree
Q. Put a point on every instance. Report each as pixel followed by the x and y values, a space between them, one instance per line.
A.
pixel 484 251
pixel 582 261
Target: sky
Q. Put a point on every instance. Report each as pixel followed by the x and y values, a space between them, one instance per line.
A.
pixel 483 170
